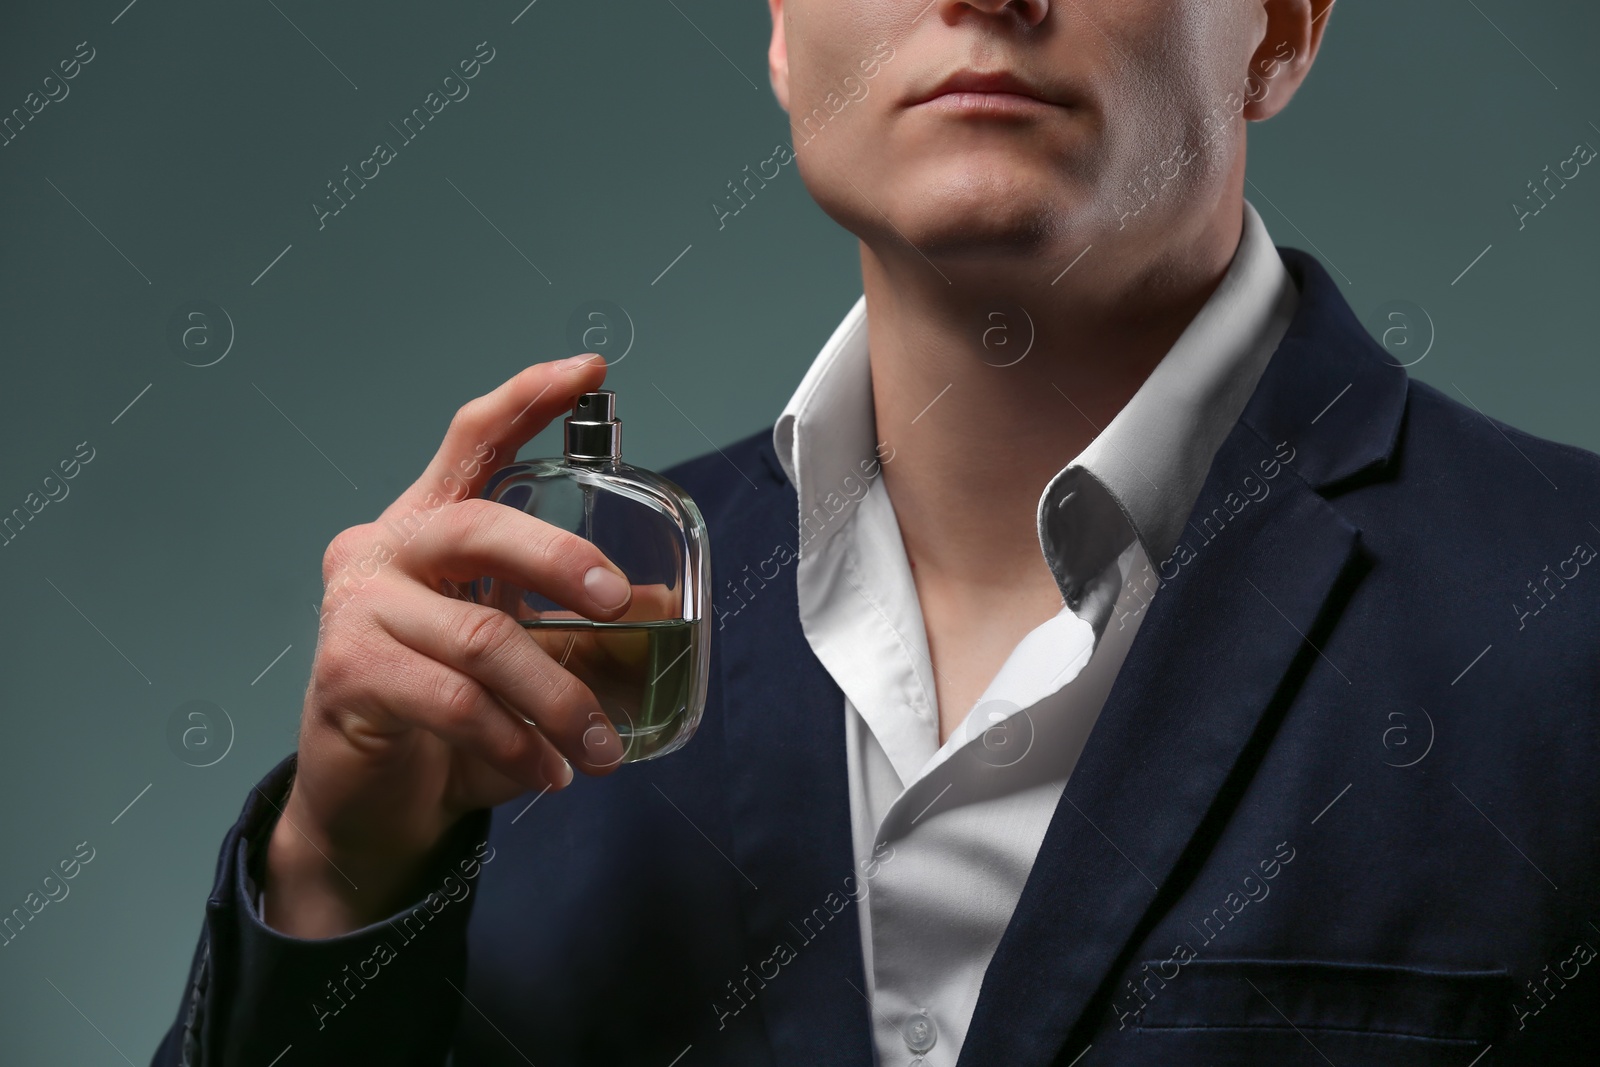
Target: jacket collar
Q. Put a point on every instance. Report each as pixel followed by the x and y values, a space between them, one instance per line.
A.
pixel 1329 388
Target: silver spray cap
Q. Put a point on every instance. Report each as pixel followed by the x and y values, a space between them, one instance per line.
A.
pixel 592 430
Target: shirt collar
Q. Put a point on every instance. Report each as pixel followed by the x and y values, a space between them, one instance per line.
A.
pixel 824 436
pixel 1146 466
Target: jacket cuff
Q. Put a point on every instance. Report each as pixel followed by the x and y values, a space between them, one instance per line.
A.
pixel 386 993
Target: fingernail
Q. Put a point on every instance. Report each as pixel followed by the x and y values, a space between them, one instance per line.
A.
pixel 606 587
pixel 557 770
pixel 580 360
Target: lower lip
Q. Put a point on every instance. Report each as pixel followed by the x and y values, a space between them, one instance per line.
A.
pixel 993 105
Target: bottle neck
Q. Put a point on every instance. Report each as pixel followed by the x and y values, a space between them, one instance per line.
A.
pixel 593 441
pixel 594 463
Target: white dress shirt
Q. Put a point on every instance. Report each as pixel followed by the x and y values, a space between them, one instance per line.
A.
pixel 956 826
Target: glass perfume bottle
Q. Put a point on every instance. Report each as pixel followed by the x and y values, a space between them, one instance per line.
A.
pixel 648 669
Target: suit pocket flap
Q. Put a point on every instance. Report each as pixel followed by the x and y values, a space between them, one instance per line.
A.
pixel 1442 1004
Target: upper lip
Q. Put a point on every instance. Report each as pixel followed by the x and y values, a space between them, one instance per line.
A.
pixel 992 81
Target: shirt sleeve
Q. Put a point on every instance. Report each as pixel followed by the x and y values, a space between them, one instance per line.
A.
pixel 387 993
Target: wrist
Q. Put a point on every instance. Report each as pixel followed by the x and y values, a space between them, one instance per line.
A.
pixel 318 886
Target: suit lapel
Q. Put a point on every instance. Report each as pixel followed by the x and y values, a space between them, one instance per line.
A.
pixel 1232 634
pixel 1222 640
pixel 789 800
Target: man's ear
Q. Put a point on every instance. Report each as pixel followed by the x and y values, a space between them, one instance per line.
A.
pixel 778 56
pixel 1283 58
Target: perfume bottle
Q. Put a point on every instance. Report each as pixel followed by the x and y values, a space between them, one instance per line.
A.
pixel 648 669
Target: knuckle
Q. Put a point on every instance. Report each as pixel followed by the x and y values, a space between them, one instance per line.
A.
pixel 469 415
pixel 343 586
pixel 456 696
pixel 563 553
pixel 341 664
pixel 339 551
pixel 483 636
pixel 331 667
pixel 519 744
pixel 484 513
pixel 566 700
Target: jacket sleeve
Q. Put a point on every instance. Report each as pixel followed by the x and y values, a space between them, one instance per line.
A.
pixel 387 993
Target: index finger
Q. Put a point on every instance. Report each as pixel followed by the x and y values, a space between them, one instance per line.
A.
pixel 486 432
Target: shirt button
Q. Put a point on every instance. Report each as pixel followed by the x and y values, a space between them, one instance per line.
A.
pixel 920 1032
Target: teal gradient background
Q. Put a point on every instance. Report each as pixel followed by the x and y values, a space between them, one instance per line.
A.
pixel 186 157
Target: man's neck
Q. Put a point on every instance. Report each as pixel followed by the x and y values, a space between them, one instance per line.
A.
pixel 976 441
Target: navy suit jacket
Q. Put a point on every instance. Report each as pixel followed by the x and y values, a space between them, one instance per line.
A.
pixel 1340 806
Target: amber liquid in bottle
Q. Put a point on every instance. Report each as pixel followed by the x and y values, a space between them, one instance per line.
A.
pixel 640 672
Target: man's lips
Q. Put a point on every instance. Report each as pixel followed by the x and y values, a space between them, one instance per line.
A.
pixel 999 93
pixel 992 105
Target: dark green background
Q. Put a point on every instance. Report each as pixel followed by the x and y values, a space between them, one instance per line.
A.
pixel 596 141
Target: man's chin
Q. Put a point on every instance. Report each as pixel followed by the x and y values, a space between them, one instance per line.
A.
pixel 982 210
pixel 980 228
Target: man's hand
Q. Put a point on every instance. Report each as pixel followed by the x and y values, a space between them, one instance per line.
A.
pixel 419 705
